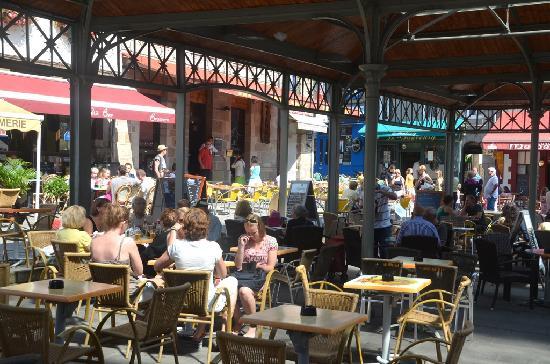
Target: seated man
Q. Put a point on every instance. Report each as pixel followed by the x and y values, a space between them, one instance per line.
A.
pixel 299 218
pixel 145 183
pixel 137 217
pixel 472 208
pixel 122 179
pixel 417 226
pixel 214 225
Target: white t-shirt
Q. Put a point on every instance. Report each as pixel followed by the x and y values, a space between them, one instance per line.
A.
pixel 196 255
pixel 146 185
pixel 239 168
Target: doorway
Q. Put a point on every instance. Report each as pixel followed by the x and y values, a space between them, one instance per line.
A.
pixel 197 135
pixel 237 135
pixel 408 159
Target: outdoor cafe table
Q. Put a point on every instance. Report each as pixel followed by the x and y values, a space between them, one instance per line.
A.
pixel 301 328
pixel 409 263
pixel 65 298
pixel 282 250
pixel 143 240
pixel 545 256
pixel 398 286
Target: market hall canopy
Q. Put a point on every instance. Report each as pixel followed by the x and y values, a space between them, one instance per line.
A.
pixel 392 131
pixel 13 117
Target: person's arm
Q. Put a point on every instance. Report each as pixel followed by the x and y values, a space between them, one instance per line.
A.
pixel 163 262
pixel 88 227
pixel 271 261
pixel 220 270
pixel 239 257
pixel 135 259
pixel 156 168
pixel 172 234
pixel 389 193
pixel 199 158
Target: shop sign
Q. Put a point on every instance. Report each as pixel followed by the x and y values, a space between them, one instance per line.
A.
pixel 157 119
pixel 102 114
pixel 527 146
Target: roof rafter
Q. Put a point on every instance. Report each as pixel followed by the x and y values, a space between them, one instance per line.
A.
pixel 462 79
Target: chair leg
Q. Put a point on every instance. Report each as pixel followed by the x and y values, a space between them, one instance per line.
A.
pixel 175 347
pixel 161 347
pixel 400 337
pixel 87 309
pixel 210 338
pixel 90 323
pixel 483 287
pixel 137 347
pixel 358 344
pixel 478 288
pixel 495 296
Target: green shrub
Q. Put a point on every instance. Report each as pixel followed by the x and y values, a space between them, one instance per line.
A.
pixel 56 187
pixel 15 173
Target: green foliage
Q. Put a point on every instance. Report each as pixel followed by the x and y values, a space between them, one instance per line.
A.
pixel 15 173
pixel 56 187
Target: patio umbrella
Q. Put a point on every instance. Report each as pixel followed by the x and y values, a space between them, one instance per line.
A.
pixel 15 118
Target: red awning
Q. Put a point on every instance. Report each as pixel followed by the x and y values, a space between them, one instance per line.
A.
pixel 514 141
pixel 43 95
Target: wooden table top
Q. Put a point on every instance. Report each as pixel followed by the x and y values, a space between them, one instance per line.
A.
pixel 228 263
pixel 143 240
pixel 73 291
pixel 282 250
pixel 409 263
pixel 24 210
pixel 398 285
pixel 287 317
pixel 7 234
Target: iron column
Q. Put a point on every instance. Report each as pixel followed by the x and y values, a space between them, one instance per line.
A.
pixel 449 153
pixel 283 146
pixel 181 126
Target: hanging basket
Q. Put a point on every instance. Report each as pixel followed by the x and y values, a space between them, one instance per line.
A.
pixel 8 196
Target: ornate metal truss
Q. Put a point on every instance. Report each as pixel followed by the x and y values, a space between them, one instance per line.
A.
pixel 398 111
pixel 498 120
pixel 35 42
pixel 308 93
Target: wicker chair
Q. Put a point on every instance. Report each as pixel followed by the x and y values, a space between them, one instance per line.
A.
pixel 236 349
pixel 149 197
pixel 466 265
pixel 4 279
pixel 289 270
pixel 328 348
pixel 447 304
pixel 399 251
pixel 43 222
pixel 377 267
pixel 159 326
pixel 77 269
pixel 122 195
pixel 12 231
pixel 38 240
pixel 195 307
pixel 330 227
pixel 117 274
pixel 453 355
pixel 60 248
pixel 27 331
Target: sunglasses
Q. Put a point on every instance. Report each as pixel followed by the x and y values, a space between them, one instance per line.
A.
pixel 252 221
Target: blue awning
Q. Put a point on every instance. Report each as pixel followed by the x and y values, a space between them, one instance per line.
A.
pixel 386 131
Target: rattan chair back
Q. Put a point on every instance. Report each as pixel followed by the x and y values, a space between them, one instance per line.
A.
pixel 459 338
pixel 41 239
pixel 325 258
pixel 376 266
pixel 60 248
pixel 196 297
pixel 24 331
pixel 464 283
pixel 122 195
pixel 165 307
pixel 117 274
pixel 442 277
pixel 236 349
pixel 77 266
pixel 499 228
pixel 399 251
pixel 543 238
pixel 44 222
pixel 330 226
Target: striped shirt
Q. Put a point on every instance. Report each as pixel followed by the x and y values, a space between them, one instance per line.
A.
pixel 381 208
pixel 417 226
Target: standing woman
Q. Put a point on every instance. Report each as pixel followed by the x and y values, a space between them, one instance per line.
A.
pixel 409 181
pixel 397 183
pixel 255 179
pixel 239 166
pixel 255 246
pixel 439 180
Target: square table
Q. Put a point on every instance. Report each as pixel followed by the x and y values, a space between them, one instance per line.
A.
pixel 409 263
pixel 300 328
pixel 282 250
pixel 66 298
pixel 399 285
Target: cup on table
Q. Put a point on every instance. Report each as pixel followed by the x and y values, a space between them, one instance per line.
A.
pixel 152 234
pixel 137 235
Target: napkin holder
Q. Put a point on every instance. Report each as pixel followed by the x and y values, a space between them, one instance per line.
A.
pixel 56 284
pixel 387 277
pixel 308 311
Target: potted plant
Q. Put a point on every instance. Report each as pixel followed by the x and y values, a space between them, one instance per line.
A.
pixel 55 189
pixel 14 180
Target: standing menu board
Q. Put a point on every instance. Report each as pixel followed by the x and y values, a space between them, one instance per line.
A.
pixel 532 237
pixel 194 187
pixel 301 193
pixel 427 199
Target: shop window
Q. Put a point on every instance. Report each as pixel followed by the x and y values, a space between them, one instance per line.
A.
pixel 97 129
pixel 265 123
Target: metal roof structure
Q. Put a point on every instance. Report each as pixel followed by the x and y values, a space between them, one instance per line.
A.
pixel 393 61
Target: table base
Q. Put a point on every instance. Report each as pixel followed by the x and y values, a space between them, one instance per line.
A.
pixel 300 340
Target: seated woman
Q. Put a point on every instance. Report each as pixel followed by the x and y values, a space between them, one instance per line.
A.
pixel 138 218
pixel 446 208
pixel 472 208
pixel 72 222
pixel 254 247
pixel 112 246
pixel 195 252
pixel 299 218
pixel 94 222
pixel 168 219
pixel 352 195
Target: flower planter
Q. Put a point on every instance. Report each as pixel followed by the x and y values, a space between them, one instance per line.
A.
pixel 8 196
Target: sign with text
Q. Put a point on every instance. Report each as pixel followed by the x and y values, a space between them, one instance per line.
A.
pixel 301 193
pixel 427 199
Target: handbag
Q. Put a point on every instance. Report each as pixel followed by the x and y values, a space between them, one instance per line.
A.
pixel 251 277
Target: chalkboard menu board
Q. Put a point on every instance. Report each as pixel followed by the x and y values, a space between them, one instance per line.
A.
pixel 532 237
pixel 427 199
pixel 301 193
pixel 194 187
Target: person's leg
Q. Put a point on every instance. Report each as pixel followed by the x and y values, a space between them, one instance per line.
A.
pixel 231 284
pixel 248 302
pixel 378 238
pixel 491 203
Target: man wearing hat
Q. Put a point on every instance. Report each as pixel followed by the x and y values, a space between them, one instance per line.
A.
pixel 490 193
pixel 159 163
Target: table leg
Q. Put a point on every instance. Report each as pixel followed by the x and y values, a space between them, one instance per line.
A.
pixel 547 286
pixel 300 340
pixel 386 325
pixel 62 312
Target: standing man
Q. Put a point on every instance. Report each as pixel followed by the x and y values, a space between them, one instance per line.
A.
pixel 159 163
pixel 490 193
pixel 382 222
pixel 206 156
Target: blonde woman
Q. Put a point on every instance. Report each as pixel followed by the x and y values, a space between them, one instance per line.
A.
pixel 439 180
pixel 409 181
pixel 72 222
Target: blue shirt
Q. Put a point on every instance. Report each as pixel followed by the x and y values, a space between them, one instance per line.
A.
pixel 419 227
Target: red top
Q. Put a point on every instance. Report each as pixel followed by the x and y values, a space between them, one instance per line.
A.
pixel 205 158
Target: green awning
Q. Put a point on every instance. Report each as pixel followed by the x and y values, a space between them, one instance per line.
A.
pixel 387 131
